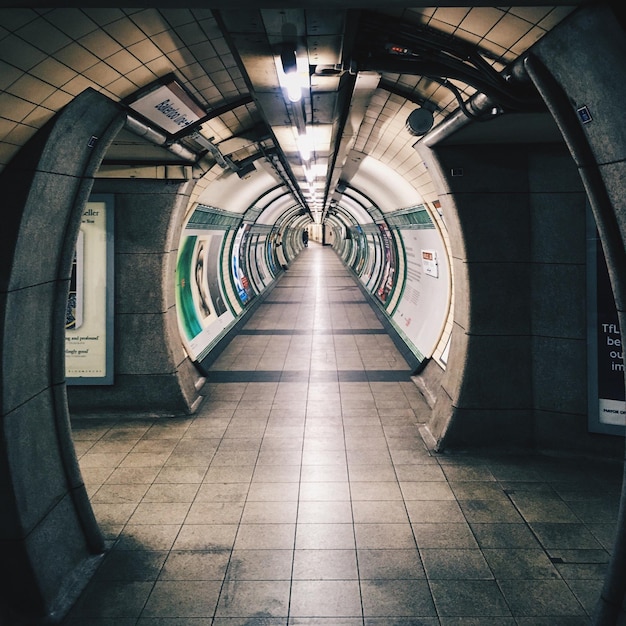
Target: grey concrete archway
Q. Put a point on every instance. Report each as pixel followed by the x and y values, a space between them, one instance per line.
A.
pixel 581 63
pixel 48 535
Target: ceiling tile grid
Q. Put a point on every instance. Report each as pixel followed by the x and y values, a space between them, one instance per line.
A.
pixel 48 56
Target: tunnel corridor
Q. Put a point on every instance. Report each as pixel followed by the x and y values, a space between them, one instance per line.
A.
pixel 302 492
pixel 418 418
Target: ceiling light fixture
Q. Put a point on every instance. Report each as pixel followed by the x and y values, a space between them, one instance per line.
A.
pixel 304 146
pixel 293 72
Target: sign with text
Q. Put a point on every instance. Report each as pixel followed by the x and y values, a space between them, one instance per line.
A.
pixel 89 314
pixel 429 263
pixel 169 107
pixel 612 407
pixel 607 397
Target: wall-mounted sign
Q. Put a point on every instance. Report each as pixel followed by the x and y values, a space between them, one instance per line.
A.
pixel 89 313
pixel 607 396
pixel 169 107
pixel 429 263
pixel 584 114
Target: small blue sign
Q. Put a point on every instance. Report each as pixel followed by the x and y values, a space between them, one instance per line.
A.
pixel 584 114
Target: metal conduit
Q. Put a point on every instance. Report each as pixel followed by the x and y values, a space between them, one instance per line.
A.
pixel 159 139
pixel 479 105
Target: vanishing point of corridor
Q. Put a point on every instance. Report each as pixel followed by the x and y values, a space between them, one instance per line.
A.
pixel 302 494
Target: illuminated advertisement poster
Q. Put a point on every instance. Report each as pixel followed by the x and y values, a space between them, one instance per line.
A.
pixel 200 303
pixel 423 308
pixel 270 254
pixel 387 281
pixel 89 312
pixel 260 263
pixel 361 245
pixel 240 266
pixel 609 415
pixel 257 246
pixel 371 271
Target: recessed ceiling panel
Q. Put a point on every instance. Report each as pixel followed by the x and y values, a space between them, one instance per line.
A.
pixel 324 49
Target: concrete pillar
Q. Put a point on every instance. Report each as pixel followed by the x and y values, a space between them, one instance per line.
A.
pixel 152 373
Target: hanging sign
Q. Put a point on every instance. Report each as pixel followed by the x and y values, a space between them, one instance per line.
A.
pixel 169 107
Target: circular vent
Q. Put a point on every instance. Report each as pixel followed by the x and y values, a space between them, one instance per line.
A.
pixel 419 122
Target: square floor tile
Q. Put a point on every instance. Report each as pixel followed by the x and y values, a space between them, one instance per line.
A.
pixel 222 492
pixel 443 535
pixel 160 513
pixel 325 537
pixel 486 511
pixel 260 565
pixel 434 511
pixel 540 597
pixel 387 512
pixel 273 492
pixel 229 474
pixel 325 512
pixel 565 536
pixel 269 513
pixel 381 491
pixel 324 491
pixel 241 598
pixel 325 565
pixel 321 598
pixel 215 513
pixel 206 537
pixel 469 598
pixel 109 599
pixel 385 536
pixel 543 508
pixel 184 598
pixel 397 598
pixel 195 565
pixel 508 564
pixel 504 536
pixel 390 564
pixel 434 490
pixel 131 565
pixel 455 564
pixel 147 537
pixel 265 537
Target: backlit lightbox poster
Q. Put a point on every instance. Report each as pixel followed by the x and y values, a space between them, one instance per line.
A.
pixel 240 265
pixel 607 403
pixel 89 313
pixel 386 285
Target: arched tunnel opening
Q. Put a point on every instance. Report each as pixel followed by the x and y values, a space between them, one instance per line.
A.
pixel 459 406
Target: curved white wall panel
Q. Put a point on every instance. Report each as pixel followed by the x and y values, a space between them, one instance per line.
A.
pixel 387 189
pixel 235 194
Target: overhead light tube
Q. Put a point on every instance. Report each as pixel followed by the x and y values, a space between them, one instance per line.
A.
pixel 304 146
pixel 293 72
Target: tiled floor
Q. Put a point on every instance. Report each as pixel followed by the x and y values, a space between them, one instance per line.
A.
pixel 301 494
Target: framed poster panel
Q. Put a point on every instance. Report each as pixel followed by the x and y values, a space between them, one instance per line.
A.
pixel 89 313
pixel 607 398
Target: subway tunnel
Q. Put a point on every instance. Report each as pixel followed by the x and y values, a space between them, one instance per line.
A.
pixel 459 172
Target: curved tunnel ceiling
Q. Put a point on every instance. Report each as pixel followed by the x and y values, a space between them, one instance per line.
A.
pixel 362 73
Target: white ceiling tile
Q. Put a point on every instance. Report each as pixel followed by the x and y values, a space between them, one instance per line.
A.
pixel 480 20
pixel 452 16
pixel 125 31
pixel 31 88
pixel 103 16
pixel 508 30
pixel 19 53
pixel 73 22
